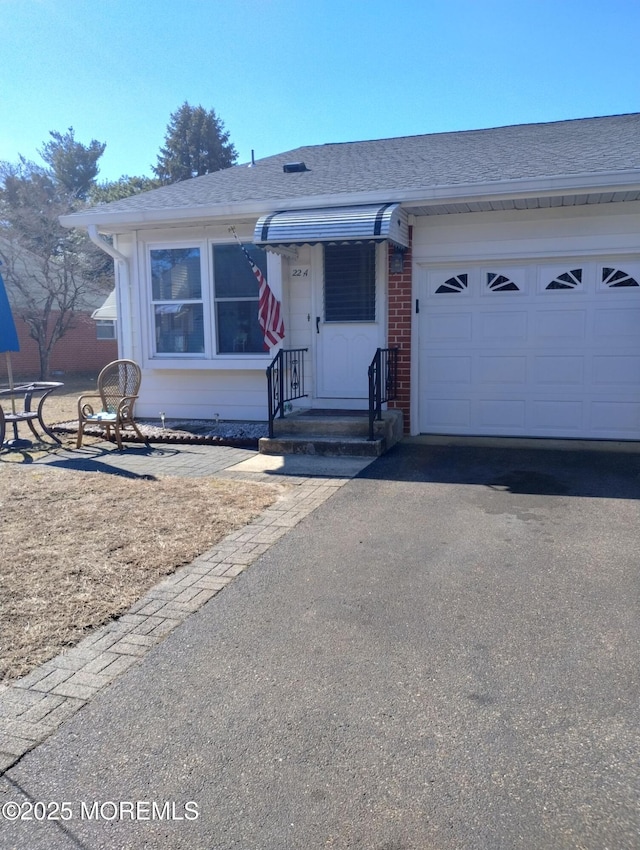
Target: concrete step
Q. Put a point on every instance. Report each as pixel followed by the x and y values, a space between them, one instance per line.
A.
pixel 328 446
pixel 349 424
pixel 305 424
pixel 334 434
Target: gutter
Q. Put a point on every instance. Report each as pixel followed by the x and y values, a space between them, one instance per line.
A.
pixel 602 182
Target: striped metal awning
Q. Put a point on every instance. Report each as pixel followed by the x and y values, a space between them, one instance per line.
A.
pixel 369 223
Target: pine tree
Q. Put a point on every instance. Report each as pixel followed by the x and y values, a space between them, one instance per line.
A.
pixel 195 143
pixel 74 166
pixel 124 187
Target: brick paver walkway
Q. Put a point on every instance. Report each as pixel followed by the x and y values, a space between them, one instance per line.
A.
pixel 160 459
pixel 33 707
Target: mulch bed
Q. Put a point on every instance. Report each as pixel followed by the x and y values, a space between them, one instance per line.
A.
pixel 175 435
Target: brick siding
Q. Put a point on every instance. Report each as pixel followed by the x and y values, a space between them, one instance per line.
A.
pixel 399 331
pixel 77 353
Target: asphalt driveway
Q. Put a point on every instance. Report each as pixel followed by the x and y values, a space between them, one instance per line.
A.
pixel 444 655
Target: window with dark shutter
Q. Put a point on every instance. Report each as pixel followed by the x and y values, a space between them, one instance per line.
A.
pixel 350 283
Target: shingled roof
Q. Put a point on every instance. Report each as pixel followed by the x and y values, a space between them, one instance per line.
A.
pixel 399 168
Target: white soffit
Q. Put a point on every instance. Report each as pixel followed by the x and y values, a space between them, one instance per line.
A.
pixel 455 207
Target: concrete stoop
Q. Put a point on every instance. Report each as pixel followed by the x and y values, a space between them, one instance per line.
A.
pixel 334 434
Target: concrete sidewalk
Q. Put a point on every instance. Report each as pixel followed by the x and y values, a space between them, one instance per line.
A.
pixel 441 655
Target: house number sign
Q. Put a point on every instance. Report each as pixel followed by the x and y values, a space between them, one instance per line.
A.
pixel 300 272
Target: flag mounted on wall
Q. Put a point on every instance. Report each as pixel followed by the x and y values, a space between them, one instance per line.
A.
pixel 269 317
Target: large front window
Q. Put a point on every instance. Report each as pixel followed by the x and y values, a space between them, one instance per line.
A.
pixel 236 299
pixel 176 291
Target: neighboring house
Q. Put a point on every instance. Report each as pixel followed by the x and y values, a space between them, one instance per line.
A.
pixel 82 349
pixel 78 352
pixel 106 317
pixel 504 264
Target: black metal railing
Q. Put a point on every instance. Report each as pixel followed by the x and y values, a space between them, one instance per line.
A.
pixel 383 383
pixel 285 381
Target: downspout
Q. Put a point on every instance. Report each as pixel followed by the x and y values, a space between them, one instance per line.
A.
pixel 122 287
pixel 105 246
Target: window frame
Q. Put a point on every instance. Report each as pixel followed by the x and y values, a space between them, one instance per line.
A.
pixel 233 299
pixel 106 324
pixel 515 274
pixel 154 355
pixel 209 359
pixel 630 269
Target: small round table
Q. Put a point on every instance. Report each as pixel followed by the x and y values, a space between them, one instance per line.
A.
pixel 39 390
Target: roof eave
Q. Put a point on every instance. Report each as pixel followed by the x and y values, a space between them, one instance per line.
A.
pixel 113 222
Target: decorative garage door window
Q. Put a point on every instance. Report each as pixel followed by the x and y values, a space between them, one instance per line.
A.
pixel 491 281
pixel 568 280
pixel 458 283
pixel 552 279
pixel 613 278
pixel 500 283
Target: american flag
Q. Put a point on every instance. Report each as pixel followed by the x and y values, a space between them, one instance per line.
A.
pixel 269 317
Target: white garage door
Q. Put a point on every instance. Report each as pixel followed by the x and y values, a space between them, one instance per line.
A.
pixel 547 350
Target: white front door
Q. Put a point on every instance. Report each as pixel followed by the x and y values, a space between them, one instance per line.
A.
pixel 348 321
pixel 343 356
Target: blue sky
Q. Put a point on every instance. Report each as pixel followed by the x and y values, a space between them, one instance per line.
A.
pixel 285 73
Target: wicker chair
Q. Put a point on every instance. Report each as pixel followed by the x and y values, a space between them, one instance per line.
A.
pixel 118 386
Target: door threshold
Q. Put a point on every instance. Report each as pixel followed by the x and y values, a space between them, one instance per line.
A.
pixel 329 411
pixel 339 404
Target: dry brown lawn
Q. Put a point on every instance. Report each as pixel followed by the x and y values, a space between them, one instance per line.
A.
pixel 78 548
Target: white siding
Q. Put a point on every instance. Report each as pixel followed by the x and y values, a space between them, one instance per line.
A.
pixel 577 231
pixel 203 389
pixel 203 395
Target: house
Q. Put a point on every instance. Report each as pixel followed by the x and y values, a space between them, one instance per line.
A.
pixel 84 348
pixel 504 264
pixel 105 317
